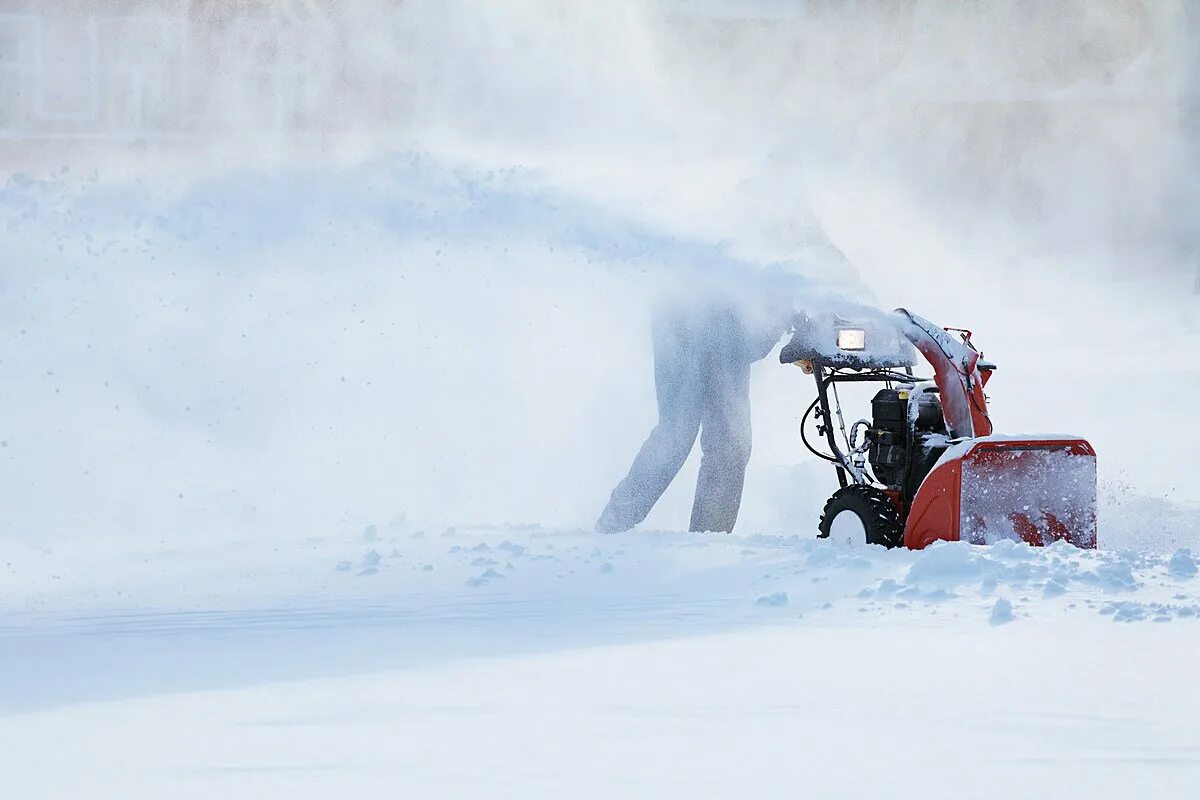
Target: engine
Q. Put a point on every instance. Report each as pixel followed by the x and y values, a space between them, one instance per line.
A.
pixel 908 435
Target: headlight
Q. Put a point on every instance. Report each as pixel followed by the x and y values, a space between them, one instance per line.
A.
pixel 852 339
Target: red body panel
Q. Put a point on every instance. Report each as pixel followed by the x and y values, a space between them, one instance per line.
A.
pixel 935 512
pixel 965 408
pixel 1037 490
pixel 956 372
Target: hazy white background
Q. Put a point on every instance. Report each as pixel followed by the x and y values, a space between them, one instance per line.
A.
pixel 288 270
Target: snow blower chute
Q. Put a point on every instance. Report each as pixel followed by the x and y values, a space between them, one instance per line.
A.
pixel 926 465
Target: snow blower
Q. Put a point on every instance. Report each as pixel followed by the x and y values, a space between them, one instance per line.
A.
pixel 927 465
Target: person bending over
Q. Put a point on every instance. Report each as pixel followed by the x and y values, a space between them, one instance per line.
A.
pixel 703 350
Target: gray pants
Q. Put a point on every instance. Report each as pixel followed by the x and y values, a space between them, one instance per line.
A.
pixel 702 358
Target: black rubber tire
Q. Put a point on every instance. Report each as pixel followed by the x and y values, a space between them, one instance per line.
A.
pixel 879 517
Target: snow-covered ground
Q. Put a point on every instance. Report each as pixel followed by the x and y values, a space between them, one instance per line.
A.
pixel 521 661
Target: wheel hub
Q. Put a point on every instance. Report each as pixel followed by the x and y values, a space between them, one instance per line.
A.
pixel 848 530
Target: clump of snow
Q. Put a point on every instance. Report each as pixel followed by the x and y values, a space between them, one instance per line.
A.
pixel 485 578
pixel 1182 565
pixel 1055 587
pixel 888 587
pixel 946 562
pixel 773 600
pixel 1002 612
pixel 1116 575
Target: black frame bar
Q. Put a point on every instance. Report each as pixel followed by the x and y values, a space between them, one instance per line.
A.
pixel 825 379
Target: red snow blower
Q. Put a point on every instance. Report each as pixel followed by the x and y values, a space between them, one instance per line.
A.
pixel 927 466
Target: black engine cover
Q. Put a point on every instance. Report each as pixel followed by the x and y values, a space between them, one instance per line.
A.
pixel 890 437
pixel 905 441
